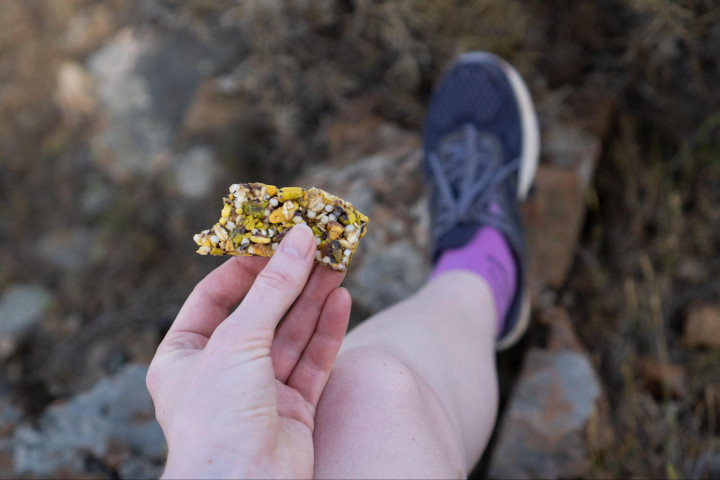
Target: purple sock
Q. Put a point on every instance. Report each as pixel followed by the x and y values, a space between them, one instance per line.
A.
pixel 489 256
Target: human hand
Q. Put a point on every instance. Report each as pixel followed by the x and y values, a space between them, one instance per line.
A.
pixel 234 397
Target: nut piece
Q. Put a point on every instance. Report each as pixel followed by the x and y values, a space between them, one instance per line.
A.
pixel 276 216
pixel 315 202
pixel 289 209
pixel 226 210
pixel 334 230
pixel 290 193
pixel 256 239
pixel 220 232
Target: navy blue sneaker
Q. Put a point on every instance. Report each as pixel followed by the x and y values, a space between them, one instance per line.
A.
pixel 481 143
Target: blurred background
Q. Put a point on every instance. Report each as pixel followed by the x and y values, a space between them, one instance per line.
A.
pixel 123 123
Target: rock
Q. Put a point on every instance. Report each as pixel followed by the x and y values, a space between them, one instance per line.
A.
pixel 388 276
pixel 702 326
pixel 554 213
pixel 553 217
pixel 21 308
pixel 67 249
pixel 112 423
pixel 547 430
pixel 659 377
pixel 195 171
pixel 145 82
pixel 75 92
pixel 562 334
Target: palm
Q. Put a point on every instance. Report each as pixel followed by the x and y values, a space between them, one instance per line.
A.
pixel 251 391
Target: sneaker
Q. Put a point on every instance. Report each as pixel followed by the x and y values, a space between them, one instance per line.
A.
pixel 481 143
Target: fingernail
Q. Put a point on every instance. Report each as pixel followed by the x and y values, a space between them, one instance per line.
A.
pixel 298 242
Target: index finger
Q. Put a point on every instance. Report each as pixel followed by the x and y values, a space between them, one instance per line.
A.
pixel 215 295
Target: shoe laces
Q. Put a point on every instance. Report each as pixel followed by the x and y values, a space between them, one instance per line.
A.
pixel 469 171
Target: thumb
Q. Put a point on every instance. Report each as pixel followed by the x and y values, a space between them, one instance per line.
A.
pixel 276 287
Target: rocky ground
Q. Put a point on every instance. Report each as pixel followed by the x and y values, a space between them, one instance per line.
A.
pixel 121 123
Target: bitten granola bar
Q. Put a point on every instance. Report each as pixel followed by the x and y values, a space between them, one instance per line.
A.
pixel 255 217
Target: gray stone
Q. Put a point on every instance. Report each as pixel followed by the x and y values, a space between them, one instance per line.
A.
pixel 195 171
pixel 114 418
pixel 145 82
pixel 388 276
pixel 544 432
pixel 21 307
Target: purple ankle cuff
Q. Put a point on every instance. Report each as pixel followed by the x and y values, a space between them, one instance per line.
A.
pixel 489 256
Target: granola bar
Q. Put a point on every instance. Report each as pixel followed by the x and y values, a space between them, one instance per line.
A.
pixel 255 217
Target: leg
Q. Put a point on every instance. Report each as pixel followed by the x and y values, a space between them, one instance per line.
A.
pixel 414 390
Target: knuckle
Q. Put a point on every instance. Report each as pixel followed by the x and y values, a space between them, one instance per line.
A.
pixel 278 280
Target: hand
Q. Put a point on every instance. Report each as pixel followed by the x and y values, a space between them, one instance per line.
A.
pixel 234 397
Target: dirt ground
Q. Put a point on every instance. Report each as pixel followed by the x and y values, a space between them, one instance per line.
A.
pixel 96 208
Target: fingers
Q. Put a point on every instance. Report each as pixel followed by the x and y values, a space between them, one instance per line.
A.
pixel 210 302
pixel 312 370
pixel 299 324
pixel 274 290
